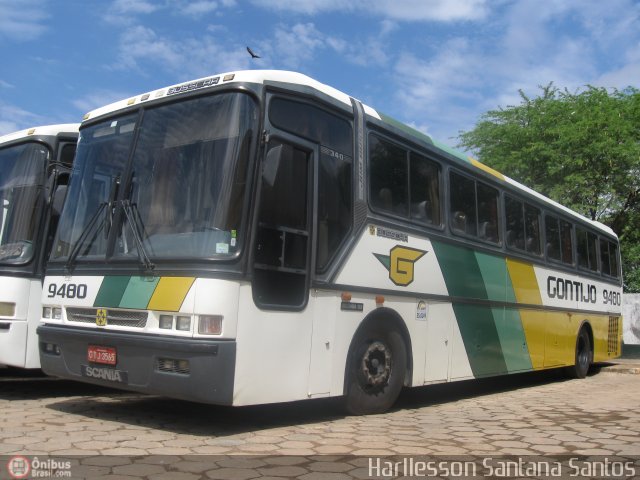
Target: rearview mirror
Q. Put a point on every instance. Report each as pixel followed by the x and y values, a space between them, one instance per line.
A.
pixel 58 199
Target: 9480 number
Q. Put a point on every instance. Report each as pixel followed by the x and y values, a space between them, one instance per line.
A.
pixel 611 298
pixel 68 290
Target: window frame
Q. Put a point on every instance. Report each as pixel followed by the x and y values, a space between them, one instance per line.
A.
pixel 561 222
pixel 409 153
pixel 523 209
pixel 499 215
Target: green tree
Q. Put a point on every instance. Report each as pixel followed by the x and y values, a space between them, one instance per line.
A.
pixel 581 149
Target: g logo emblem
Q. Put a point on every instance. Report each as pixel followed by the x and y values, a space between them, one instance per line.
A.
pixel 400 263
pixel 101 317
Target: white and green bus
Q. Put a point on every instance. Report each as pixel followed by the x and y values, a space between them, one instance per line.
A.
pixel 34 170
pixel 258 236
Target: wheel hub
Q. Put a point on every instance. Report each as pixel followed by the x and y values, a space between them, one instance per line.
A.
pixel 376 364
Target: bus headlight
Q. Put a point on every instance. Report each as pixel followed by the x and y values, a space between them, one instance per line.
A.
pixel 166 322
pixel 210 324
pixel 183 324
pixel 7 309
pixel 56 313
pixel 46 312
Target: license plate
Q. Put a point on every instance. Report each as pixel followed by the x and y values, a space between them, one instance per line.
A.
pixel 103 355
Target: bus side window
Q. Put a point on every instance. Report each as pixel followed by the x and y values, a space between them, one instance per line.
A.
pixel 474 208
pixel 587 257
pixel 463 205
pixel 559 243
pixel 334 206
pixel 488 213
pixel 424 190
pixel 532 229
pixel 609 258
pixel 388 170
pixel 515 225
pixel 566 242
pixel 552 234
pixel 523 226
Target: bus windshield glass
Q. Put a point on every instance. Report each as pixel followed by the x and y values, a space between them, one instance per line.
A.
pixel 178 190
pixel 22 173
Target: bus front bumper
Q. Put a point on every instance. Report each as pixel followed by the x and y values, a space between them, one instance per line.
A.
pixel 199 370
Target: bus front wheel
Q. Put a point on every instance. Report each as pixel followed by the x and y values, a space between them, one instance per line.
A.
pixel 583 356
pixel 376 368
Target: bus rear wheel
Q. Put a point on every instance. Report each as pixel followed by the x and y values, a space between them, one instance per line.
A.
pixel 376 368
pixel 583 355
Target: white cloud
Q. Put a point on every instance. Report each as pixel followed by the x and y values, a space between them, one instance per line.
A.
pixel 190 57
pixel 405 10
pixel 200 8
pixel 13 118
pixel 134 6
pixel 125 12
pixel 626 76
pixel 293 46
pixel 98 98
pixel 23 20
pixel 4 84
pixel 431 10
pixel 524 47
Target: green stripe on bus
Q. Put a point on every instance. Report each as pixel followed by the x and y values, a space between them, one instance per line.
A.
pixel 139 292
pixel 461 271
pixel 406 128
pixel 494 274
pixel 111 291
pixel 481 339
pixel 467 274
pixel 512 339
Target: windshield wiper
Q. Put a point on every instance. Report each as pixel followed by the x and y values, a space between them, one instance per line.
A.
pixel 88 229
pixel 131 218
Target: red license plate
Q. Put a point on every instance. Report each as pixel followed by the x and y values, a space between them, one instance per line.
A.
pixel 104 355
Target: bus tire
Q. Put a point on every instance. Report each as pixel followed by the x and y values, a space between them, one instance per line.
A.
pixel 583 355
pixel 376 368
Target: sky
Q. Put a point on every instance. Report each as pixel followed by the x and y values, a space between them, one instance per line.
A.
pixel 437 65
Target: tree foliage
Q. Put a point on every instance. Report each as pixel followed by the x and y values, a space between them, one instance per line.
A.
pixel 581 149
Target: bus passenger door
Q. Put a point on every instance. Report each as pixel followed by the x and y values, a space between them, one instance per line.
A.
pixel 283 241
pixel 275 318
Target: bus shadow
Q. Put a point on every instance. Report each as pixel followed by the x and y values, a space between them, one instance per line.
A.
pixel 17 384
pixel 183 417
pixel 437 394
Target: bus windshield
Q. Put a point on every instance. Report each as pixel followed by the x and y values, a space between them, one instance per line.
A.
pixel 22 173
pixel 180 187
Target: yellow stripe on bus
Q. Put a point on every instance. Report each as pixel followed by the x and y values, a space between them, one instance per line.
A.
pixel 534 325
pixel 525 288
pixel 486 168
pixel 170 293
pixel 525 284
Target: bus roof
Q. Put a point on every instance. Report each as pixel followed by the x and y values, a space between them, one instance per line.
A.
pixel 282 76
pixel 40 131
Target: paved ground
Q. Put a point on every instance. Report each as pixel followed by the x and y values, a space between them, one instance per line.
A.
pixel 137 436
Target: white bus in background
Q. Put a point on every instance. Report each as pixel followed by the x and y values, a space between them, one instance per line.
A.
pixel 35 165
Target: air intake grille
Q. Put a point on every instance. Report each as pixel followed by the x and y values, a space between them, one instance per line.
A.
pixel 172 365
pixel 119 318
pixel 614 333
